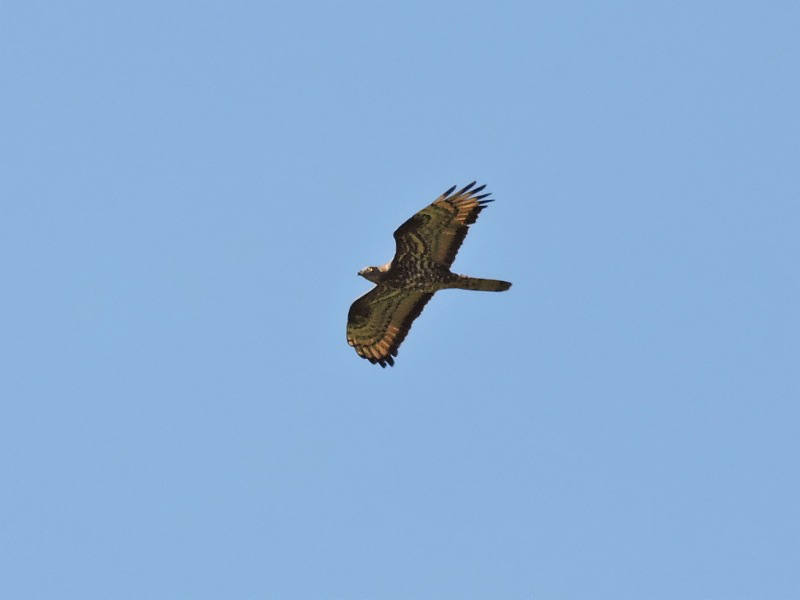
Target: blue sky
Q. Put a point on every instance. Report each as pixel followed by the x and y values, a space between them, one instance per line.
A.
pixel 188 190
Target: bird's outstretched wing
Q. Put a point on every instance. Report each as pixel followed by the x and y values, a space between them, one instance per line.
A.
pixel 439 229
pixel 379 321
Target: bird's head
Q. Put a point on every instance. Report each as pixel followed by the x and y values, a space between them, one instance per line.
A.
pixel 372 274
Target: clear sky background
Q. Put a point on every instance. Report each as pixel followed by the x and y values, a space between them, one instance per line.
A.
pixel 188 190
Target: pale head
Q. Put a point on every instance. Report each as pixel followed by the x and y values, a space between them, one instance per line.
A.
pixel 374 274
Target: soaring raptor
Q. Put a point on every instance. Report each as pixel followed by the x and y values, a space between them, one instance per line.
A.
pixel 426 246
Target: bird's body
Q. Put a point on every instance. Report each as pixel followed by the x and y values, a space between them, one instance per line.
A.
pixel 427 244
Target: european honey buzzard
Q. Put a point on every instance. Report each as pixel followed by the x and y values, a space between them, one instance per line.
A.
pixel 427 244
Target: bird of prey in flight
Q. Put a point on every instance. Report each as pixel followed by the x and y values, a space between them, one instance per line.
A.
pixel 426 246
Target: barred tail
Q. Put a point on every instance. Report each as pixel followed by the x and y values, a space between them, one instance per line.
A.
pixel 482 285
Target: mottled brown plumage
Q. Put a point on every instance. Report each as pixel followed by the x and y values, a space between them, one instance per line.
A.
pixel 426 246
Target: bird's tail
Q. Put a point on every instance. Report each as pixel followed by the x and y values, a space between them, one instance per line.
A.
pixel 482 285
